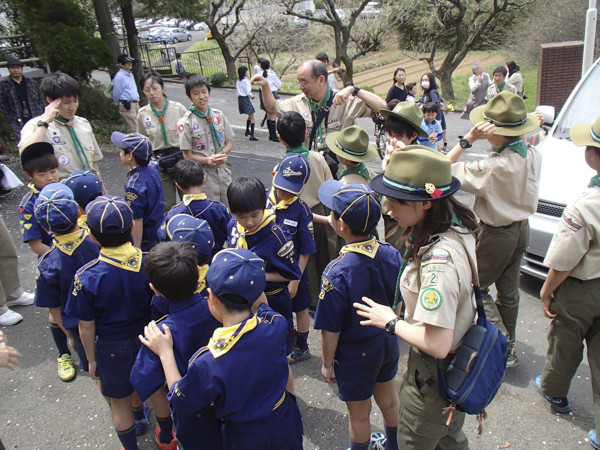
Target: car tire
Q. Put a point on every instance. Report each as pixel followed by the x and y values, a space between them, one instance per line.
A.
pixel 189 38
pixel 175 41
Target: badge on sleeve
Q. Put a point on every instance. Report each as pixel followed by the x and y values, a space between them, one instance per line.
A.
pixel 286 249
pixel 437 256
pixel 180 127
pixel 475 166
pixel 430 299
pixel 570 220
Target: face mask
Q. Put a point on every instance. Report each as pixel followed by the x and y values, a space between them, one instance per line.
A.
pixel 425 84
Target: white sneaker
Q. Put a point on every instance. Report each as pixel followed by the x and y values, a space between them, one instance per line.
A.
pixel 25 299
pixel 10 318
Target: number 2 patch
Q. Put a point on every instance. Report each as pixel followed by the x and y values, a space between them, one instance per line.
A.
pixel 430 299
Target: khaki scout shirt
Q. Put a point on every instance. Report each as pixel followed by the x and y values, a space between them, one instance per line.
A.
pixel 437 286
pixel 194 133
pixel 319 172
pixel 505 185
pixel 355 178
pixel 340 117
pixel 148 124
pixel 64 148
pixel 576 246
pixel 493 90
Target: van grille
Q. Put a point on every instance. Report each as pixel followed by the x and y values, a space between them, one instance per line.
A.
pixel 550 209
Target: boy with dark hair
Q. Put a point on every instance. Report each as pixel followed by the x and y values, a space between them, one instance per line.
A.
pixel 500 84
pixel 256 410
pixel 173 274
pixel 143 190
pixel 86 187
pixel 112 299
pixel 189 178
pixel 205 136
pixel 56 211
pixel 365 360
pixel 295 217
pixel 431 126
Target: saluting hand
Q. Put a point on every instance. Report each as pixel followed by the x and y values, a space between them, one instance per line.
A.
pixel 377 315
pixel 391 145
pixel 51 111
pixel 341 97
pixel 157 341
pixel 481 131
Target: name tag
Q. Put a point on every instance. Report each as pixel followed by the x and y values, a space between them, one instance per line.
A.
pixel 290 223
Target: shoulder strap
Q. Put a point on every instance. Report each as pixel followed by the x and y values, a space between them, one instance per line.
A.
pixel 320 119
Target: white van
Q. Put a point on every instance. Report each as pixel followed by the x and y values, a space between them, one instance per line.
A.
pixel 564 173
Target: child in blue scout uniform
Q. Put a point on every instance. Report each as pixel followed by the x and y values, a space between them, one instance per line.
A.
pixel 198 234
pixel 143 190
pixel 189 178
pixel 112 299
pixel 256 410
pixel 365 359
pixel 295 217
pixel 57 212
pixel 85 187
pixel 172 271
pixel 41 167
pixel 256 228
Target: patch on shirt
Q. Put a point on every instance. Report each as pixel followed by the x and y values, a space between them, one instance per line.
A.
pixel 55 133
pixel 290 223
pixel 148 121
pixel 437 256
pixel 217 120
pixel 311 227
pixel 76 284
pixel 130 196
pixel 63 160
pixel 27 226
pixel 221 137
pixel 195 126
pixel 475 166
pixel 434 268
pixel 200 144
pixel 37 273
pixel 326 286
pixel 569 220
pixel 431 299
pixel 27 216
pixel 180 127
pixel 56 139
pixel 286 249
pixel 305 114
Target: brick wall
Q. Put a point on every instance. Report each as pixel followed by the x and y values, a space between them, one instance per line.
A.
pixel 559 71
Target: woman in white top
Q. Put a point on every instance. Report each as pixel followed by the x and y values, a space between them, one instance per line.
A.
pixel 478 84
pixel 514 76
pixel 244 92
pixel 274 84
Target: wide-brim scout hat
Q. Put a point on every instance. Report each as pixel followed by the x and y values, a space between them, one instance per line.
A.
pixel 351 143
pixel 55 208
pixel 85 186
pixel 35 150
pixel 135 143
pixel 407 112
pixel 239 272
pixel 586 134
pixel 291 174
pixel 357 204
pixel 417 173
pixel 508 112
pixel 193 231
pixel 109 214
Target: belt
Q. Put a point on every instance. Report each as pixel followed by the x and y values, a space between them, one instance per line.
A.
pixel 130 101
pixel 492 226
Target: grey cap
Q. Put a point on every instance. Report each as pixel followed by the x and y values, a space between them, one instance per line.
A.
pixel 14 62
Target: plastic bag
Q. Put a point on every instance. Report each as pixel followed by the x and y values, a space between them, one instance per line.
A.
pixel 9 180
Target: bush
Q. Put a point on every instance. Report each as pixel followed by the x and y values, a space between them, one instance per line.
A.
pixel 368 89
pixel 218 79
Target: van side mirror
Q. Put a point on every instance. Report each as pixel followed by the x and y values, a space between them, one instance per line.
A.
pixel 548 112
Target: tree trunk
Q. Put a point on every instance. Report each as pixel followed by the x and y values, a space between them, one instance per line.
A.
pixel 107 30
pixel 227 56
pixel 446 79
pixel 134 50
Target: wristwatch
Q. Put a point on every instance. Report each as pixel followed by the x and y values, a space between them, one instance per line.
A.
pixel 464 143
pixel 390 327
pixel 356 90
pixel 41 123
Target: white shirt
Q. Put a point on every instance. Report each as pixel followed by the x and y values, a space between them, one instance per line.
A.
pixel 274 81
pixel 243 88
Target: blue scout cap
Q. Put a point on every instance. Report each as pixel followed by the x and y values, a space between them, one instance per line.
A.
pixel 35 150
pixel 239 272
pixel 357 204
pixel 85 186
pixel 109 214
pixel 291 174
pixel 196 232
pixel 55 208
pixel 135 143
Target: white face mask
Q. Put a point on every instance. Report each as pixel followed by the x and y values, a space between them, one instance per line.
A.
pixel 425 84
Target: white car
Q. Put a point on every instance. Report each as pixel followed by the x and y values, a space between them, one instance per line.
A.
pixel 564 173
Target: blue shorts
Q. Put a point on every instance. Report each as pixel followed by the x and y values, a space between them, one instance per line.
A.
pixel 115 361
pixel 201 430
pixel 302 300
pixel 282 303
pixel 359 367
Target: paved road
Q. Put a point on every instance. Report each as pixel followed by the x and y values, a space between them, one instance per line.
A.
pixel 38 411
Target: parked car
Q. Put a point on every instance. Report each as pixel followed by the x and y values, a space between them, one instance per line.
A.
pixel 371 11
pixel 564 173
pixel 187 24
pixel 154 33
pixel 198 26
pixel 174 35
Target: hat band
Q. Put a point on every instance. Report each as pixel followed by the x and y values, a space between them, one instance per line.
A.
pixel 594 136
pixel 409 188
pixel 347 150
pixel 505 124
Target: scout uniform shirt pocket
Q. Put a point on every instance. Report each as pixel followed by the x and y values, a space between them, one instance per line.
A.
pixel 199 140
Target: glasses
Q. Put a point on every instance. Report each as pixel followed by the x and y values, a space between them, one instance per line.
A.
pixel 152 90
pixel 305 82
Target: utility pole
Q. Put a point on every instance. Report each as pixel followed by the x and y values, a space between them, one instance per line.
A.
pixel 590 37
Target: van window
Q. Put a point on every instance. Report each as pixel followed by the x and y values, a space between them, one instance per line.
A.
pixel 584 107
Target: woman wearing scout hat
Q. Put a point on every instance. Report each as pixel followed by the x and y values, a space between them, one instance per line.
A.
pixel 436 288
pixel 505 185
pixel 353 150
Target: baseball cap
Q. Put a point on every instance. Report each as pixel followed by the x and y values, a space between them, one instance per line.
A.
pixel 35 150
pixel 85 186
pixel 239 272
pixel 55 208
pixel 124 59
pixel 14 62
pixel 135 143
pixel 291 174
pixel 109 214
pixel 357 204
pixel 196 232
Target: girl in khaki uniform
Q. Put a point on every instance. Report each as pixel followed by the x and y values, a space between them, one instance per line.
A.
pixel 436 286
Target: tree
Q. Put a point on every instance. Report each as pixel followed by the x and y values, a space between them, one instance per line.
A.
pixel 454 26
pixel 132 43
pixel 106 27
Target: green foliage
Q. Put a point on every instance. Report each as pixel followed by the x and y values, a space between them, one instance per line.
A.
pixel 368 89
pixel 319 4
pixel 218 79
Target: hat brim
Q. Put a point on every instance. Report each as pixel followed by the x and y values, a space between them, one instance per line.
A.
pixel 530 124
pixel 331 139
pixel 117 138
pixel 34 150
pixel 285 185
pixel 386 114
pixel 380 187
pixel 580 135
pixel 327 190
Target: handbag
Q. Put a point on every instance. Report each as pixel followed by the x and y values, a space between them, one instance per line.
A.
pixel 168 158
pixel 9 180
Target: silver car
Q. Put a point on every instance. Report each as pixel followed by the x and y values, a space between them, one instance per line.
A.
pixel 174 35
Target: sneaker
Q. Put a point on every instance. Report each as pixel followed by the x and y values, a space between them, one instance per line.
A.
pixel 593 439
pixel 170 446
pixel 66 369
pixel 512 360
pixel 378 441
pixel 298 355
pixel 559 404
pixel 142 425
pixel 25 299
pixel 10 318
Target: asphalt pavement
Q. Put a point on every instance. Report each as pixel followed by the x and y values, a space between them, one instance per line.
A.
pixel 38 411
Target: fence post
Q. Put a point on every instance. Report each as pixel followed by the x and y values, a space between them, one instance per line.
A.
pixel 200 61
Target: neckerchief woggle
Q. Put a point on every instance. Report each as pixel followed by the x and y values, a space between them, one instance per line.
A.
pixel 213 130
pixel 161 120
pixel 76 142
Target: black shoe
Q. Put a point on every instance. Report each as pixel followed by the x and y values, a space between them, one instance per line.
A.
pixel 252 138
pixel 561 405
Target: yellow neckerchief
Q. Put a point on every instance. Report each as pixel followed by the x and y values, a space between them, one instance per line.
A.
pixel 82 222
pixel 202 278
pixel 274 204
pixel 33 188
pixel 225 338
pixel 125 257
pixel 368 247
pixel 68 243
pixel 268 217
pixel 189 198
